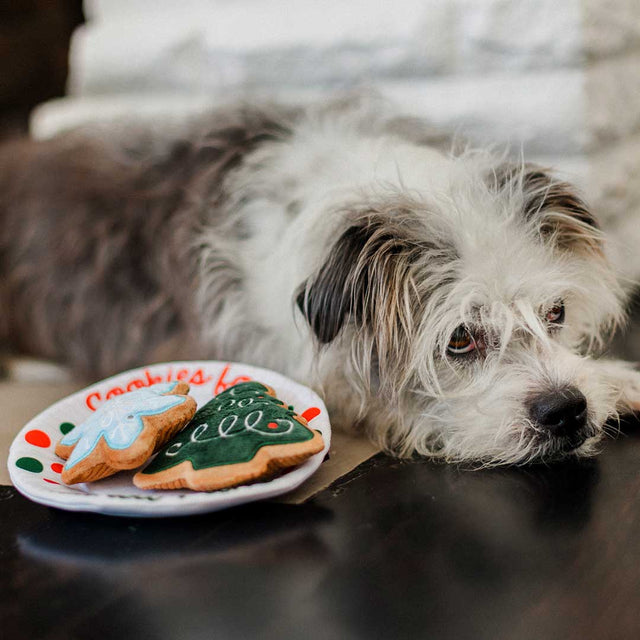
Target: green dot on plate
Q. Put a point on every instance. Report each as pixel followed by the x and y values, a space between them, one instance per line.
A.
pixel 65 427
pixel 29 464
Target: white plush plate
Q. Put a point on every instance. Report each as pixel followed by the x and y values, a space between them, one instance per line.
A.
pixel 35 468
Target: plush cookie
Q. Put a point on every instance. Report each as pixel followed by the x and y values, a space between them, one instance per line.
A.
pixel 125 431
pixel 244 434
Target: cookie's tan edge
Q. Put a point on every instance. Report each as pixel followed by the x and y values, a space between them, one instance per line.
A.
pixel 268 459
pixel 64 450
pixel 181 389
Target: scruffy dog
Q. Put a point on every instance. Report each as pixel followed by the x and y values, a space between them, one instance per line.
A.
pixel 447 302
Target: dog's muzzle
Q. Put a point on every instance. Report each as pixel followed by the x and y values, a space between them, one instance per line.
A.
pixel 562 413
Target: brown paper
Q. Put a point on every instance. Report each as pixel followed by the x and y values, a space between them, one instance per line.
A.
pixel 346 453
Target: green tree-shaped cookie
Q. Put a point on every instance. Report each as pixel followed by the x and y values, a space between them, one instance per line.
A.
pixel 230 430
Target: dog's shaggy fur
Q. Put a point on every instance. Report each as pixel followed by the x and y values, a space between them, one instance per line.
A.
pixel 448 302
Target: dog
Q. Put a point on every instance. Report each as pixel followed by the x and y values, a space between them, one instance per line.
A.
pixel 450 303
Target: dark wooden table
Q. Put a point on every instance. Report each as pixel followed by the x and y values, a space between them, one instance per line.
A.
pixel 394 550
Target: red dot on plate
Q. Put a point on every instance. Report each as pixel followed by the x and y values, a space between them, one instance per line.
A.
pixel 50 481
pixel 273 425
pixel 56 467
pixel 311 413
pixel 38 438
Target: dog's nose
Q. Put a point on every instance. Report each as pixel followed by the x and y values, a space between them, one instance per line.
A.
pixel 562 412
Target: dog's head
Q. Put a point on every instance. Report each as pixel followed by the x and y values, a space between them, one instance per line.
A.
pixel 468 316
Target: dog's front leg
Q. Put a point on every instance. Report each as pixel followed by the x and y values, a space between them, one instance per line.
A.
pixel 624 382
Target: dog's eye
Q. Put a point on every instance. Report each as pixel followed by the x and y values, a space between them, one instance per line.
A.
pixel 555 315
pixel 461 342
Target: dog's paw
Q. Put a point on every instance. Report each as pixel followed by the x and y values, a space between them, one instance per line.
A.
pixel 625 380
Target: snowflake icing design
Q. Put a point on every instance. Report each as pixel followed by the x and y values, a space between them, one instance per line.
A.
pixel 119 420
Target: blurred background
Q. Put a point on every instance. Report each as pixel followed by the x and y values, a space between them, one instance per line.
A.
pixel 559 81
pixel 34 46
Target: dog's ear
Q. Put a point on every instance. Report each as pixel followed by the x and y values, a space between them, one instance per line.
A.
pixel 329 297
pixel 366 279
pixel 553 206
